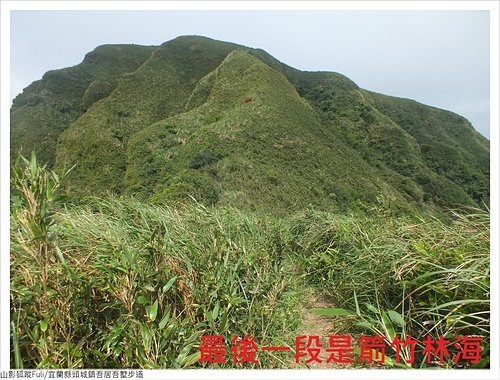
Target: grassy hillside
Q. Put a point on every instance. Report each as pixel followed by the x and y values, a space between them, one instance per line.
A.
pixel 449 144
pixel 116 283
pixel 252 143
pixel 231 125
pixel 401 156
pixel 159 88
pixel 48 106
pixel 205 188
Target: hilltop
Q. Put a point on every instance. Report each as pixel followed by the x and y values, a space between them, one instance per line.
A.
pixel 322 208
pixel 231 125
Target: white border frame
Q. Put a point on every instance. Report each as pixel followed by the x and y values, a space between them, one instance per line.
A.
pixel 492 6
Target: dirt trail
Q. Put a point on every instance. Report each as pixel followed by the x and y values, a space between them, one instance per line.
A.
pixel 317 325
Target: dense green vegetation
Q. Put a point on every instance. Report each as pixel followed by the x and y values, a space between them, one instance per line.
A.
pixel 120 283
pixel 233 126
pixel 201 187
pixel 48 106
pixel 123 284
pixel 442 142
pixel 404 277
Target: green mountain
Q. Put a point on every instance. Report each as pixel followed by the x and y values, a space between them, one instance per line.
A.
pixel 231 125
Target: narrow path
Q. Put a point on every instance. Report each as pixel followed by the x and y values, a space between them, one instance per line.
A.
pixel 317 325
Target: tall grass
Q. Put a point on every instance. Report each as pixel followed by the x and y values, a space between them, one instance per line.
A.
pixel 134 285
pixel 412 277
pixel 116 283
pixel 33 193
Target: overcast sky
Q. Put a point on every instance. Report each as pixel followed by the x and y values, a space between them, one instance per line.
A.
pixel 440 58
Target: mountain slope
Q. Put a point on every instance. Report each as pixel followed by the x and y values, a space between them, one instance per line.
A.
pixel 159 88
pixel 253 141
pixel 353 114
pixel 48 106
pixel 231 125
pixel 449 144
